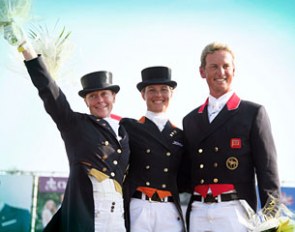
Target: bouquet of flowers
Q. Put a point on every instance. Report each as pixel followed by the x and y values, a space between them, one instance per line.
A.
pixel 274 217
pixel 54 46
pixel 13 13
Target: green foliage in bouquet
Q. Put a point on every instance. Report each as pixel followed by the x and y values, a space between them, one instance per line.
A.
pixel 17 10
pixel 274 217
pixel 13 14
pixel 53 45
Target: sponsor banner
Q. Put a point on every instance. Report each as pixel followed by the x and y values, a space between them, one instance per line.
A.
pixel 16 193
pixel 52 184
pixel 50 196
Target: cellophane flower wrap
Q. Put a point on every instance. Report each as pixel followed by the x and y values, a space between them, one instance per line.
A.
pixel 16 10
pixel 273 217
pixel 54 46
pixel 13 14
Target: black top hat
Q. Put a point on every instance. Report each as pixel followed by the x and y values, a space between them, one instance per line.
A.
pixel 94 81
pixel 156 75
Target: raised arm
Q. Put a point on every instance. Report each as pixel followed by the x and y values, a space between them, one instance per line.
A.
pixel 55 101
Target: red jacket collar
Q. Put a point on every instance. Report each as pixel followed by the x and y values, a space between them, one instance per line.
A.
pixel 116 117
pixel 142 119
pixel 232 104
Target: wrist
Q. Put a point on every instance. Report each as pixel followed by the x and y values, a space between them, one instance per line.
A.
pixel 22 47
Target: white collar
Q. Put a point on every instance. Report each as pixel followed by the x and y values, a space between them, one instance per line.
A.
pixel 114 124
pixel 151 115
pixel 218 103
pixel 160 119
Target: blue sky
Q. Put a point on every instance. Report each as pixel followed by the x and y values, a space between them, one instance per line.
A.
pixel 127 36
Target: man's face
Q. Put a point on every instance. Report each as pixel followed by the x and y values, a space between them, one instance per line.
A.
pixel 100 103
pixel 157 97
pixel 218 72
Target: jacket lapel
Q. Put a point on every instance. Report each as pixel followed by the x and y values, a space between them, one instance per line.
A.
pixel 228 111
pixel 152 129
pixel 104 125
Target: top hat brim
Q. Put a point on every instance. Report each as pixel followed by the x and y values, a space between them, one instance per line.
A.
pixel 84 92
pixel 143 84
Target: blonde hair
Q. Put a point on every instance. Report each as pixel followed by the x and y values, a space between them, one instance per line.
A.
pixel 211 48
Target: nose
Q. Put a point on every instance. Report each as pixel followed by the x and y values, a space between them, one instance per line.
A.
pixel 220 71
pixel 158 93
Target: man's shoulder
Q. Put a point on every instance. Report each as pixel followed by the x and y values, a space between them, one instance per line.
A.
pixel 192 113
pixel 248 103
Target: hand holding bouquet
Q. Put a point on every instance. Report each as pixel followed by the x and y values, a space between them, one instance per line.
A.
pixel 13 13
pixel 274 217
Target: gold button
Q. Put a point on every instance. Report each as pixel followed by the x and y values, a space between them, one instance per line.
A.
pixel 104 169
pixel 119 151
pixel 147 167
pixel 165 169
pixel 147 183
pixel 115 162
pixel 163 185
pixel 201 166
pixel 215 165
pixel 112 174
pixel 202 181
pixel 104 157
pixel 106 143
pixel 216 149
pixel 215 180
pixel 200 151
pixel 148 150
pixel 168 153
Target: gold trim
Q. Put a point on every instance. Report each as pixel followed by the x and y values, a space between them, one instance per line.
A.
pixel 99 176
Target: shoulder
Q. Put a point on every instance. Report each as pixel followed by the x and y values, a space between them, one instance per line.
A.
pixel 128 121
pixel 192 113
pixel 16 211
pixel 250 106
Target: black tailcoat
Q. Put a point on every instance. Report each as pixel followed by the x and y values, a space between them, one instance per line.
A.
pixel 154 159
pixel 90 143
pixel 234 148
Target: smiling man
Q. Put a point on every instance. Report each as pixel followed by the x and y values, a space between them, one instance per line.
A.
pixel 150 189
pixel 229 142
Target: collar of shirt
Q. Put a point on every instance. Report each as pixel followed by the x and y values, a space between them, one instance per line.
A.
pixel 215 105
pixel 114 124
pixel 160 119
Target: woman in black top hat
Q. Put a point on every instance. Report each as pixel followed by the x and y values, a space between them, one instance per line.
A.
pixel 151 193
pixel 97 150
